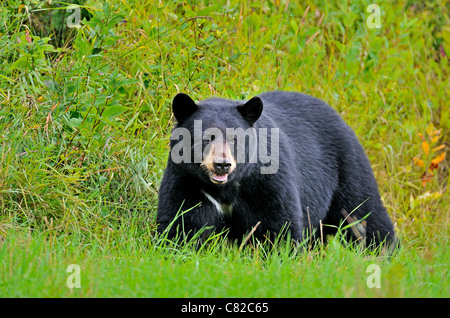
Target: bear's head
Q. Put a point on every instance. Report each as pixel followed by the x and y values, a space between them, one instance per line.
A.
pixel 215 140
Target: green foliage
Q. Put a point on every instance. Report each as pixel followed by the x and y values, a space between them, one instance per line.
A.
pixel 85 121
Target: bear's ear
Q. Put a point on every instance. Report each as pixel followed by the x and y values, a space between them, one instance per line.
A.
pixel 251 110
pixel 183 106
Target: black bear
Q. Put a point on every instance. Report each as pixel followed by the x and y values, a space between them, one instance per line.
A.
pixel 281 160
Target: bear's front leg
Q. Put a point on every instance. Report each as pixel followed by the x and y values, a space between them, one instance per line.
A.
pixel 185 213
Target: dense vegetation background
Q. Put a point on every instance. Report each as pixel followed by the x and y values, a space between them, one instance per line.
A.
pixel 85 120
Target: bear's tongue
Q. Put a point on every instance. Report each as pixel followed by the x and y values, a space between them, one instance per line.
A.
pixel 220 178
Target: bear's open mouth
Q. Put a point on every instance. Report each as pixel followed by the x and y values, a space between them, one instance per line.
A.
pixel 217 178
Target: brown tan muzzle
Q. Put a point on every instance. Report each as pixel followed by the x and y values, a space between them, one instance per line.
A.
pixel 219 162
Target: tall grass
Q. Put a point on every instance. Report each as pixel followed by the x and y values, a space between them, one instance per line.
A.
pixel 85 120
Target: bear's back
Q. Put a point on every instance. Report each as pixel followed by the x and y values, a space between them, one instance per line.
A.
pixel 307 121
pixel 292 108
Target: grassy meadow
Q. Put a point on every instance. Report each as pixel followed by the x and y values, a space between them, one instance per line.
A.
pixel 85 120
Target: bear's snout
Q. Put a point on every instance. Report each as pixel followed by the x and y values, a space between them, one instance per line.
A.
pixel 222 167
pixel 219 162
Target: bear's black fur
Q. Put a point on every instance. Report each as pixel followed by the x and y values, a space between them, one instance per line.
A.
pixel 322 173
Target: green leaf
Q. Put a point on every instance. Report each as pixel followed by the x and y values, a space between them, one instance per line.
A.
pixel 127 82
pixel 75 122
pixel 20 62
pixel 294 26
pixel 113 111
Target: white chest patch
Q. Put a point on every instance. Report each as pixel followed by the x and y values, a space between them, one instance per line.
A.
pixel 224 209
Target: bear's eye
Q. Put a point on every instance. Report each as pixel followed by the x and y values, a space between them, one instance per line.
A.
pixel 232 140
pixel 208 139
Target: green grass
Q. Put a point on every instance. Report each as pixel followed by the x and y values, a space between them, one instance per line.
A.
pixel 36 267
pixel 85 122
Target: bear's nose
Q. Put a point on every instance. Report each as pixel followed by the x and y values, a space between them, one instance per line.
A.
pixel 222 167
